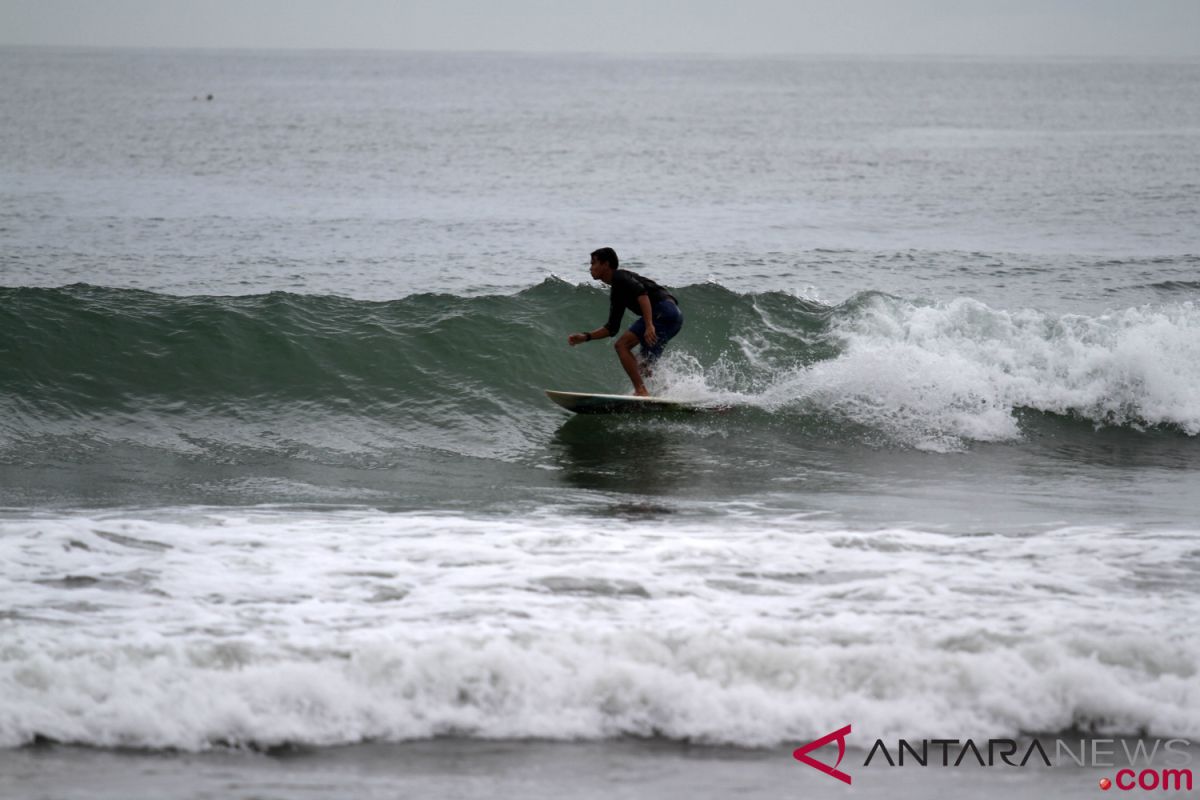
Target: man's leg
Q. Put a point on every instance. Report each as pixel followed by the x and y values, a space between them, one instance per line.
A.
pixel 624 347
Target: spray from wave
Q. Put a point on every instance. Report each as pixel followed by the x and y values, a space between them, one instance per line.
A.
pixel 939 376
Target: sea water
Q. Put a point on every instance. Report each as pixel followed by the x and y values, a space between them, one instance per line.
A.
pixel 276 468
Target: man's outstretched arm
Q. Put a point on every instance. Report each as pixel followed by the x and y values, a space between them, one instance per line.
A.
pixel 579 338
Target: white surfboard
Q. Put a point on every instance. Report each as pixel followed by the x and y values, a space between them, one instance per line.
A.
pixel 583 403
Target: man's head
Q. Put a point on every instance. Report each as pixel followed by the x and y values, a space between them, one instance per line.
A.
pixel 604 263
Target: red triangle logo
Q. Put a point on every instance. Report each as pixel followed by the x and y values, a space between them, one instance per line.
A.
pixel 802 753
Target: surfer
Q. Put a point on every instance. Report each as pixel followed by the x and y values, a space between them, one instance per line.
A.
pixel 660 317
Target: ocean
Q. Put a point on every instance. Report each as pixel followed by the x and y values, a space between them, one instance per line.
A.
pixel 284 511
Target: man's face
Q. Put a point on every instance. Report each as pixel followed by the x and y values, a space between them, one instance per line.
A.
pixel 598 268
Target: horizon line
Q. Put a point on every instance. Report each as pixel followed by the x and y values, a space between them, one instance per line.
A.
pixel 713 54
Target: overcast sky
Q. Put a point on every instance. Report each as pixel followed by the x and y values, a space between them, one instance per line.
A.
pixel 1133 28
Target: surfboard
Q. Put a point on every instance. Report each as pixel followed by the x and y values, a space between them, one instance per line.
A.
pixel 583 403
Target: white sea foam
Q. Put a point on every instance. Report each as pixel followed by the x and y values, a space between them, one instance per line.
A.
pixel 961 368
pixel 939 376
pixel 195 628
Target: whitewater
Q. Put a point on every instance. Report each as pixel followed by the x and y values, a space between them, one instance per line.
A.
pixel 272 628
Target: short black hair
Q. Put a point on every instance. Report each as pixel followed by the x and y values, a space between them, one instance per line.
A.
pixel 606 255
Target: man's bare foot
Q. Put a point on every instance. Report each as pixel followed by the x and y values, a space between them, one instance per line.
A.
pixel 640 391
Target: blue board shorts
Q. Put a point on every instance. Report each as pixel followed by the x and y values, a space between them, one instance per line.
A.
pixel 668 319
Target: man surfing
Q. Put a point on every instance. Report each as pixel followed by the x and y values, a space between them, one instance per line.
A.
pixel 660 317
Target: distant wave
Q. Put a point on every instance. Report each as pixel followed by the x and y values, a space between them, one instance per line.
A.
pixel 1175 286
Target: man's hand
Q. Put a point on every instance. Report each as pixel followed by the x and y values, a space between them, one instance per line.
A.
pixel 651 335
pixel 576 338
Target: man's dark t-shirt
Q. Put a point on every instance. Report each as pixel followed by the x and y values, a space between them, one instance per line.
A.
pixel 627 287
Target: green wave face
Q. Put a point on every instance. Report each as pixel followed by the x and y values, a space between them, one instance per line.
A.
pixel 279 385
pixel 83 350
